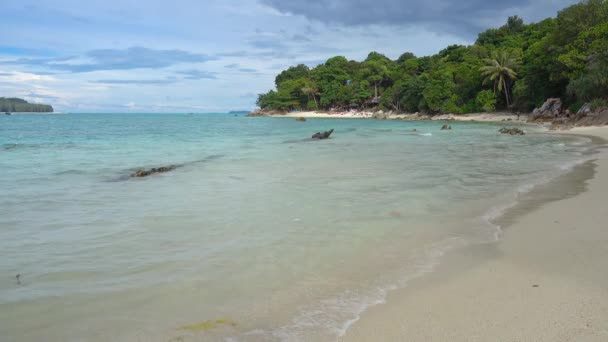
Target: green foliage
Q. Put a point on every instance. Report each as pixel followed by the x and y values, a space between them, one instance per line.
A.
pixel 599 104
pixel 486 100
pixel 19 105
pixel 516 66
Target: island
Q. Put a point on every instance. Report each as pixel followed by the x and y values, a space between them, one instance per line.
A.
pixel 16 105
pixel 553 70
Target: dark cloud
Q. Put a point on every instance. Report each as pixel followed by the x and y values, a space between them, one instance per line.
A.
pixel 116 59
pixel 197 74
pixel 231 66
pixel 247 70
pixel 461 17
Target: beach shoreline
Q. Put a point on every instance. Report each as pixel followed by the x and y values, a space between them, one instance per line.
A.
pixel 479 117
pixel 543 281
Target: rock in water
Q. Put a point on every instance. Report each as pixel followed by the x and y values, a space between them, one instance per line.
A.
pixel 446 127
pixel 301 119
pixel 323 135
pixel 511 131
pixel 145 173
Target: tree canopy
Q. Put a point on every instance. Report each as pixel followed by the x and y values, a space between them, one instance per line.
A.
pixel 516 66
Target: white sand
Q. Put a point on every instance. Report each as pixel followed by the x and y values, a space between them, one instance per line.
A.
pixel 488 293
pixel 482 117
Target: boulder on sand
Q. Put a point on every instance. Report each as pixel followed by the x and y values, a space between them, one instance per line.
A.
pixel 550 110
pixel 144 173
pixel 324 135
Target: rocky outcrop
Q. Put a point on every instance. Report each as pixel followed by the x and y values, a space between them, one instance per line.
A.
pixel 380 115
pixel 148 172
pixel 324 135
pixel 301 119
pixel 446 127
pixel 549 111
pixel 264 112
pixel 511 131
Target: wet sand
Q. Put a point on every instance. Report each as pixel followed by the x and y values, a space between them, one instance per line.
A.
pixel 545 280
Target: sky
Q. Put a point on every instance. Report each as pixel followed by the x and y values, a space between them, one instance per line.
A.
pixel 214 55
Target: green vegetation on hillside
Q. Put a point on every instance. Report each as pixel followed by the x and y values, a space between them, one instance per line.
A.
pixel 19 105
pixel 516 67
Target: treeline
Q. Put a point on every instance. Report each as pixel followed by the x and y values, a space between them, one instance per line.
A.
pixel 515 67
pixel 19 105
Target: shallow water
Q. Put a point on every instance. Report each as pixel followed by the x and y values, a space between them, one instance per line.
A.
pixel 285 238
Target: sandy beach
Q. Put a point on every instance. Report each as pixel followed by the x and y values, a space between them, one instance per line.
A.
pixel 480 117
pixel 545 280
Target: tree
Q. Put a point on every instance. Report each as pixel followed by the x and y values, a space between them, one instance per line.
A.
pixel 311 90
pixel 500 70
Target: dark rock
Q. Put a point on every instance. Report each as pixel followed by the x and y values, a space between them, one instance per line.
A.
pixel 324 135
pixel 145 173
pixel 511 131
pixel 550 110
pixel 446 127
pixel 301 119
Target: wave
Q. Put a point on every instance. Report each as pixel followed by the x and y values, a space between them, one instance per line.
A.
pixel 336 314
pixel 495 213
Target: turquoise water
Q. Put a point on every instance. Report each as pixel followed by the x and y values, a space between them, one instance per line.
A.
pixel 290 239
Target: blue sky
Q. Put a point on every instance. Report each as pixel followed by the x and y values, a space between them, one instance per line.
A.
pixel 212 55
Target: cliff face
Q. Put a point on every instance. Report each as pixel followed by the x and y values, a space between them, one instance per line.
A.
pixel 13 105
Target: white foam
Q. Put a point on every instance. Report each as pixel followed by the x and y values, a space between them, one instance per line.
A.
pixel 335 315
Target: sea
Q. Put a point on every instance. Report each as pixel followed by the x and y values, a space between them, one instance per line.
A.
pixel 259 234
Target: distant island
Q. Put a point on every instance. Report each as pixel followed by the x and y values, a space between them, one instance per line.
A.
pixel 16 105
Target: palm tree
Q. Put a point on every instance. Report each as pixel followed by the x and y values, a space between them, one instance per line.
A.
pixel 500 70
pixel 311 90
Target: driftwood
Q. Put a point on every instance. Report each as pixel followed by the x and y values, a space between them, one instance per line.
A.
pixel 324 135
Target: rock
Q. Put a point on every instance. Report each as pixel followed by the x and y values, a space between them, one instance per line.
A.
pixel 301 119
pixel 550 110
pixel 380 115
pixel 324 135
pixel 585 109
pixel 145 173
pixel 511 131
pixel 446 127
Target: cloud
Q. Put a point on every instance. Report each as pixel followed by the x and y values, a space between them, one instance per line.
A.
pixel 440 15
pixel 116 59
pixel 139 82
pixel 197 74
pixel 231 66
pixel 267 43
pixel 247 70
pixel 300 38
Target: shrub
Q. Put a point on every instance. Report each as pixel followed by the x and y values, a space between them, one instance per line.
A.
pixel 486 100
